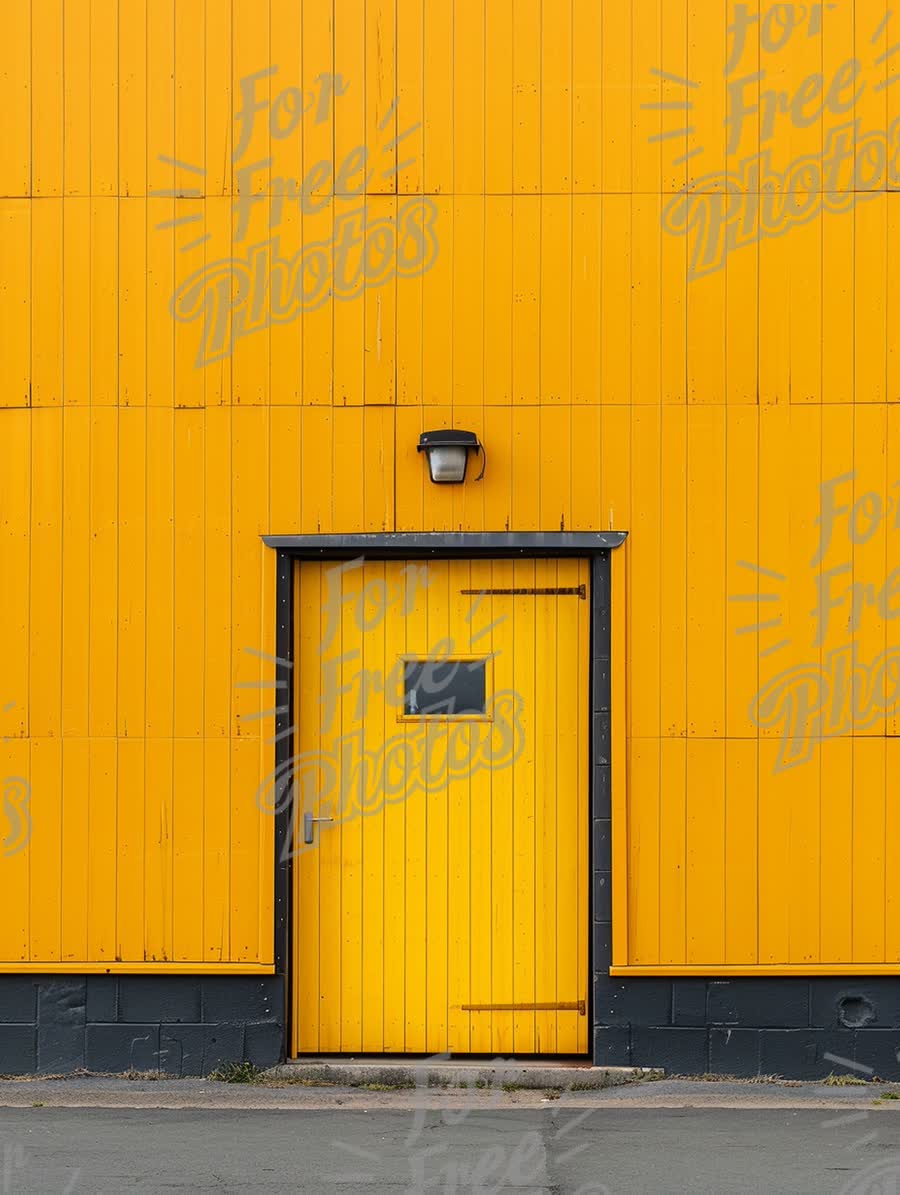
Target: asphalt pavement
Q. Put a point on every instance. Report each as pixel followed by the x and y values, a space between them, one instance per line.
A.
pixel 114 1136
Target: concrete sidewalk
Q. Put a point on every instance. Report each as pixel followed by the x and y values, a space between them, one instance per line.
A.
pixel 278 1094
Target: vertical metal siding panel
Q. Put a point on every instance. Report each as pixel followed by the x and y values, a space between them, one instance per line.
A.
pixel 104 270
pixel 803 246
pixel 866 615
pixel 188 387
pixel 468 302
pixel 550 696
pixel 673 572
pixel 556 99
pixel 870 273
pixel 132 99
pixel 587 108
pixel 378 578
pixel 706 572
pixel 526 312
pixel 219 101
pixel 469 905
pixel 252 708
pixel 158 808
pixel 835 882
pixel 77 97
pixel 15 121
pixel 46 543
pixel 160 573
pixel 410 96
pixel 673 852
pixel 556 300
pixel 75 571
pixel 742 325
pixel 130 851
pixel 741 852
pixel 348 889
pixel 216 850
pixel 102 860
pixel 646 283
pixel 437 313
pixel 189 574
pixel 190 86
pixel 216 376
pixel 802 494
pixel 103 571
pixel 132 299
pixel 498 613
pixel 869 848
pixel 743 582
pixel 412 471
pixel 104 65
pixel 378 470
pixel 586 506
pixel 438 96
pixel 244 891
pixel 217 667
pixel 318 143
pixel 527 131
pixel 586 272
pixel 43 851
pixel 644 850
pixel 188 886
pixel 378 307
pixel 526 468
pixel 318 496
pixel 15 303
pixel 418 880
pixel 499 97
pixel 15 574
pixel 615 299
pixel 394 884
pixel 893 299
pixel 46 291
pixel 468 65
pixel 556 468
pixel 497 303
pixel 308 673
pixel 162 175
pixel 892 849
pixel 15 760
pixel 348 496
pixel 251 56
pixel 525 782
pixel 706 328
pixel 349 314
pixel 647 93
pixel 74 862
pixel 47 98
pixel 161 281
pixel 892 547
pixel 616 98
pixel 644 697
pixel 410 319
pixel 705 854
pixel 380 85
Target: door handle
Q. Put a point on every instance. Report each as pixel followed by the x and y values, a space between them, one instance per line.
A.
pixel 309 826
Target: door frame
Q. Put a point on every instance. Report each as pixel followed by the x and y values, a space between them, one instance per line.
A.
pixel 594 546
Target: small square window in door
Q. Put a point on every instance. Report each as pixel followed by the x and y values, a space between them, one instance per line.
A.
pixel 444 688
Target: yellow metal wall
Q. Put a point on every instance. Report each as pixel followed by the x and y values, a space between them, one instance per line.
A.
pixel 557 321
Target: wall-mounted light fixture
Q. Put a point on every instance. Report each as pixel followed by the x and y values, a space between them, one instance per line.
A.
pixel 448 454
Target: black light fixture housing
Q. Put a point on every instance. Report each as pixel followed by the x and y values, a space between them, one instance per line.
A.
pixel 448 454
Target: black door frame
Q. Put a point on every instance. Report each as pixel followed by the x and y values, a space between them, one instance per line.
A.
pixel 595 546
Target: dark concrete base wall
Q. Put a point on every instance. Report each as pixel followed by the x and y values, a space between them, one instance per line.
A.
pixel 796 1028
pixel 177 1025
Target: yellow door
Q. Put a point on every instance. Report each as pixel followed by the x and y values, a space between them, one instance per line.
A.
pixel 441 894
